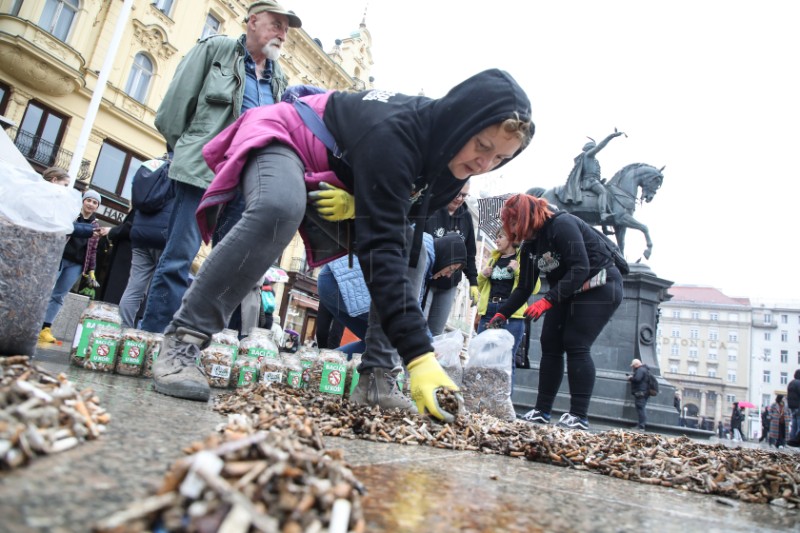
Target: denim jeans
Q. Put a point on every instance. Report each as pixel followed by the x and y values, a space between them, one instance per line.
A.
pixel 274 192
pixel 331 298
pixel 143 266
pixel 437 308
pixel 171 278
pixel 68 274
pixel 794 433
pixel 640 401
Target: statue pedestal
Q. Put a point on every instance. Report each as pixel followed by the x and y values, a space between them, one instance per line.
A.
pixel 630 334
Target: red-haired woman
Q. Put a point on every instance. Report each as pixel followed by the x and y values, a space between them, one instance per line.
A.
pixel 568 252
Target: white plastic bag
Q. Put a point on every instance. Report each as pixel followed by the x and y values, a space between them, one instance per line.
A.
pixel 447 347
pixel 487 376
pixel 28 201
pixel 35 218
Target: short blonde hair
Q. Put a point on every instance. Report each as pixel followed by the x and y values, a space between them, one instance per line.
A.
pixel 521 129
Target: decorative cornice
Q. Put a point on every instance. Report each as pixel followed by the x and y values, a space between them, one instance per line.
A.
pixel 153 38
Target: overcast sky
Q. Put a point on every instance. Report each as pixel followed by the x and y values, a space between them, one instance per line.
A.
pixel 708 88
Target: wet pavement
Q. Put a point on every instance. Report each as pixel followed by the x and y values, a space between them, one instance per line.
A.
pixel 409 488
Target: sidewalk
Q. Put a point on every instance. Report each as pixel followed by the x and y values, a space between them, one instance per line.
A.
pixel 409 489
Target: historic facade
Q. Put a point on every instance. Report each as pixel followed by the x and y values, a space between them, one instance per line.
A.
pixel 704 351
pixel 51 56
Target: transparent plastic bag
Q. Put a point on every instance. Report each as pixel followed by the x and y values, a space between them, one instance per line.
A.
pixel 487 376
pixel 448 348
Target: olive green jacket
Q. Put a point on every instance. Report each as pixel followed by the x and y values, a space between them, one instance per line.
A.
pixel 205 97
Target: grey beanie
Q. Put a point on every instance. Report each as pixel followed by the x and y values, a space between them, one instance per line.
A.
pixel 91 193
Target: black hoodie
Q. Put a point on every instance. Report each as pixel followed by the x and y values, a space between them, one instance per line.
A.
pixel 398 148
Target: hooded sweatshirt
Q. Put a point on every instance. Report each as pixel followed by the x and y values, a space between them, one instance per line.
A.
pixel 397 149
pixel 442 222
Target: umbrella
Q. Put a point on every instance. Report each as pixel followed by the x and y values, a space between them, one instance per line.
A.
pixel 489 214
pixel 277 275
pixel 746 405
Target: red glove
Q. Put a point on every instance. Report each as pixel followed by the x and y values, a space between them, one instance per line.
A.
pixel 537 309
pixel 498 321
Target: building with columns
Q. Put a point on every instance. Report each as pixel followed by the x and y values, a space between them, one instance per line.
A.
pixel 704 350
pixel 51 56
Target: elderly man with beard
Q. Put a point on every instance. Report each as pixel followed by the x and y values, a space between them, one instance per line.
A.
pixel 218 80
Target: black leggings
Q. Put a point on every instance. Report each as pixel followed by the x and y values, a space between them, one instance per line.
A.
pixel 572 327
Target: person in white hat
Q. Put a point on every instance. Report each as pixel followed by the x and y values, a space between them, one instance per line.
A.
pixel 640 391
pixel 80 257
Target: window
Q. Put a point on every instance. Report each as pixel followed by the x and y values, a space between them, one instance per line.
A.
pixel 712 372
pixel 784 336
pixel 675 350
pixel 692 370
pixel 211 27
pixel 767 336
pixel 784 378
pixel 676 332
pixel 767 319
pixel 714 316
pixel 40 133
pixel 784 356
pixel 730 398
pixel 765 399
pixel 731 376
pixel 673 369
pixel 115 168
pixel 15 8
pixel 139 78
pixel 165 6
pixel 5 92
pixel 695 315
pixel 767 354
pixel 58 16
pixel 692 353
pixel 694 333
pixel 713 335
pixel 712 356
pixel 732 356
pixel 798 358
pixel 766 376
pixel 733 336
pixel 784 319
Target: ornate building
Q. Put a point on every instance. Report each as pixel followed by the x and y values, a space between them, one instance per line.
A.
pixel 52 53
pixel 704 351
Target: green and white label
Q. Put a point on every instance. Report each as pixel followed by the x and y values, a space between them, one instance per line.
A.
pixel 84 333
pixel 103 350
pixel 332 381
pixel 133 352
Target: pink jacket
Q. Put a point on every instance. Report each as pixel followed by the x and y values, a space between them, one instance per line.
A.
pixel 227 153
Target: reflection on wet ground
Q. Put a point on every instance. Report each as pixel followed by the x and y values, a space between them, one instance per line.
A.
pixel 409 488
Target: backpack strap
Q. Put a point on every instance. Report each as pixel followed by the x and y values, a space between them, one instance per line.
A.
pixel 317 126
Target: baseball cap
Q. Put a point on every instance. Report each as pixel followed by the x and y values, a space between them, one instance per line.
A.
pixel 273 7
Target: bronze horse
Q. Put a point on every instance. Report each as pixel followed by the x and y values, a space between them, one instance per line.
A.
pixel 622 189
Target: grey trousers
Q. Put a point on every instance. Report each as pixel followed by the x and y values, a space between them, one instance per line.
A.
pixel 275 201
pixel 437 308
pixel 143 266
pixel 379 351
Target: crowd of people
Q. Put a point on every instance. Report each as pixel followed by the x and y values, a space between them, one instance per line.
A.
pixel 376 182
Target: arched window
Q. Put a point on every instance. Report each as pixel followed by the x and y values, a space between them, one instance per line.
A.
pixel 58 17
pixel 139 79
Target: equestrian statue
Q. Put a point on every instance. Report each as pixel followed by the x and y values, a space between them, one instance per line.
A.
pixel 607 204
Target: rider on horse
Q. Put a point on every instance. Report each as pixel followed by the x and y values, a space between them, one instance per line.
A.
pixel 585 176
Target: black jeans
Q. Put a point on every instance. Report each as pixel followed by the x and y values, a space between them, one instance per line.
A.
pixel 640 401
pixel 572 326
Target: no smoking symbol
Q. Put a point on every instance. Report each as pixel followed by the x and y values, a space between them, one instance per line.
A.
pixel 102 350
pixel 134 352
pixel 335 377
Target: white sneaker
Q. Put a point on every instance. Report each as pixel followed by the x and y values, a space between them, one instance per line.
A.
pixel 573 422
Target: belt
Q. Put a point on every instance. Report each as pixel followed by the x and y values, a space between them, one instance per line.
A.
pixel 496 300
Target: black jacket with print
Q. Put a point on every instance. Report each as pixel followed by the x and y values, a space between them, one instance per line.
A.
pixel 442 222
pixel 567 251
pixel 397 149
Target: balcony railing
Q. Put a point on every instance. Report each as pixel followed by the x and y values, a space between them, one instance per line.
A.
pixel 43 153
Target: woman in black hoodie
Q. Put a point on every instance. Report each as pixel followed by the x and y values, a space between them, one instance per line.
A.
pixel 569 253
pixel 402 157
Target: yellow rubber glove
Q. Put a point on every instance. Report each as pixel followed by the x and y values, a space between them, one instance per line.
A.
pixel 426 376
pixel 92 281
pixel 332 203
pixel 475 294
